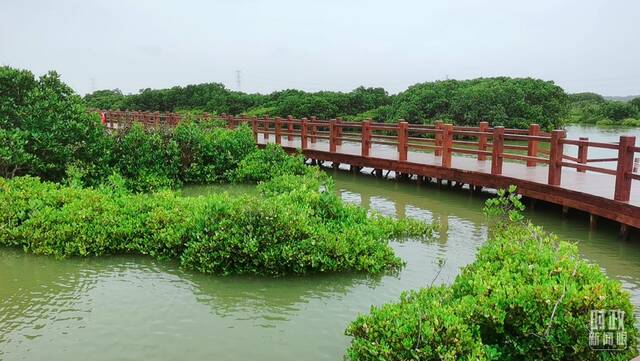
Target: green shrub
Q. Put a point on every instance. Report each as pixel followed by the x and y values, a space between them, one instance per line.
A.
pixel 296 224
pixel 209 153
pixel 511 102
pixel 630 122
pixel 528 295
pixel 148 159
pixel 605 122
pixel 268 163
pixel 45 127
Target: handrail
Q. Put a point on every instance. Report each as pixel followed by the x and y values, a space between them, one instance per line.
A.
pixel 443 139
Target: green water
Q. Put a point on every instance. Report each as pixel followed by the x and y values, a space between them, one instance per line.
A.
pixel 135 308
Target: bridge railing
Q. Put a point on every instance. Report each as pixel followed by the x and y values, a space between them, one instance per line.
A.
pixel 529 146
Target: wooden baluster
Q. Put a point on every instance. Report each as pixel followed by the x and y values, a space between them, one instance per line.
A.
pixel 583 153
pixel 532 146
pixel 366 138
pixel 266 126
pixel 438 138
pixel 207 117
pixel 278 130
pixel 254 128
pixel 625 167
pixel 303 133
pixel 497 148
pixel 482 140
pixel 231 121
pixel 314 129
pixel 332 136
pixel 447 144
pixel 290 128
pixel 555 157
pixel 338 131
pixel 402 140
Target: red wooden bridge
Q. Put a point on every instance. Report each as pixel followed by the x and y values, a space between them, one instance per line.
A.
pixel 537 162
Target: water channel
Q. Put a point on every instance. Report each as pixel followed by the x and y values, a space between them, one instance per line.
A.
pixel 133 308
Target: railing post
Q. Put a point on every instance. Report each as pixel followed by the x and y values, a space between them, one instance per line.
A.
pixel 438 138
pixel 555 157
pixel 482 140
pixel 497 148
pixel 265 127
pixel 532 146
pixel 583 152
pixel 332 136
pixel 366 138
pixel 303 133
pixel 447 144
pixel 290 128
pixel 314 129
pixel 278 129
pixel 403 134
pixel 338 131
pixel 254 128
pixel 625 167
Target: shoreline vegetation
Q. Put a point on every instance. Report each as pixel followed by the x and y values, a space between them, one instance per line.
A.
pixel 528 295
pixel 294 225
pixel 68 187
pixel 74 189
pixel 510 102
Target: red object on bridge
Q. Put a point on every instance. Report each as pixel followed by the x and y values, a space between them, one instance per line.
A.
pixel 103 118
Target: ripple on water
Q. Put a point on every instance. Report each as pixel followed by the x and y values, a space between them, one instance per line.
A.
pixel 132 308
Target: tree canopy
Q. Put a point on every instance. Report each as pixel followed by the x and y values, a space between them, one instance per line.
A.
pixel 512 102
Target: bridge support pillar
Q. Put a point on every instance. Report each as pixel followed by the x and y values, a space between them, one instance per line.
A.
pixel 593 221
pixel 335 165
pixel 378 172
pixel 624 232
pixel 565 210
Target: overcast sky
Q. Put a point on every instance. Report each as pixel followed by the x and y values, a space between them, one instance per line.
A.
pixel 587 45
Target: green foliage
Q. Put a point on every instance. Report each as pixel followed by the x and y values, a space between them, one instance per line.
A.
pixel 618 110
pixel 506 206
pixel 44 127
pixel 268 163
pixel 297 224
pixel 105 99
pixel 211 154
pixel 148 159
pixel 527 296
pixel 511 102
pixel 589 108
pixel 586 97
pixel 215 98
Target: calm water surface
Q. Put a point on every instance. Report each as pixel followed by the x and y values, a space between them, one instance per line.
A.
pixel 132 308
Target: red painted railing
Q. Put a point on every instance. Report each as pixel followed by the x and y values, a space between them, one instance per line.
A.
pixel 497 143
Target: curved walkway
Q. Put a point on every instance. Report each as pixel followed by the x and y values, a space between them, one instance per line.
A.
pixel 590 192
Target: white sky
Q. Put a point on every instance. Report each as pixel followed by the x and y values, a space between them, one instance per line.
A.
pixel 587 45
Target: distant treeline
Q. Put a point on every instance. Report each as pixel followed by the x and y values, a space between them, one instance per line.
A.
pixel 591 108
pixel 512 102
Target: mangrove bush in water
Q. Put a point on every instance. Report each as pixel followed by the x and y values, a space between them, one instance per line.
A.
pixel 296 224
pixel 527 296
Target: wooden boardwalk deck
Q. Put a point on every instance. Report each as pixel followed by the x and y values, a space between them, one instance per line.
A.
pixel 535 161
pixel 589 191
